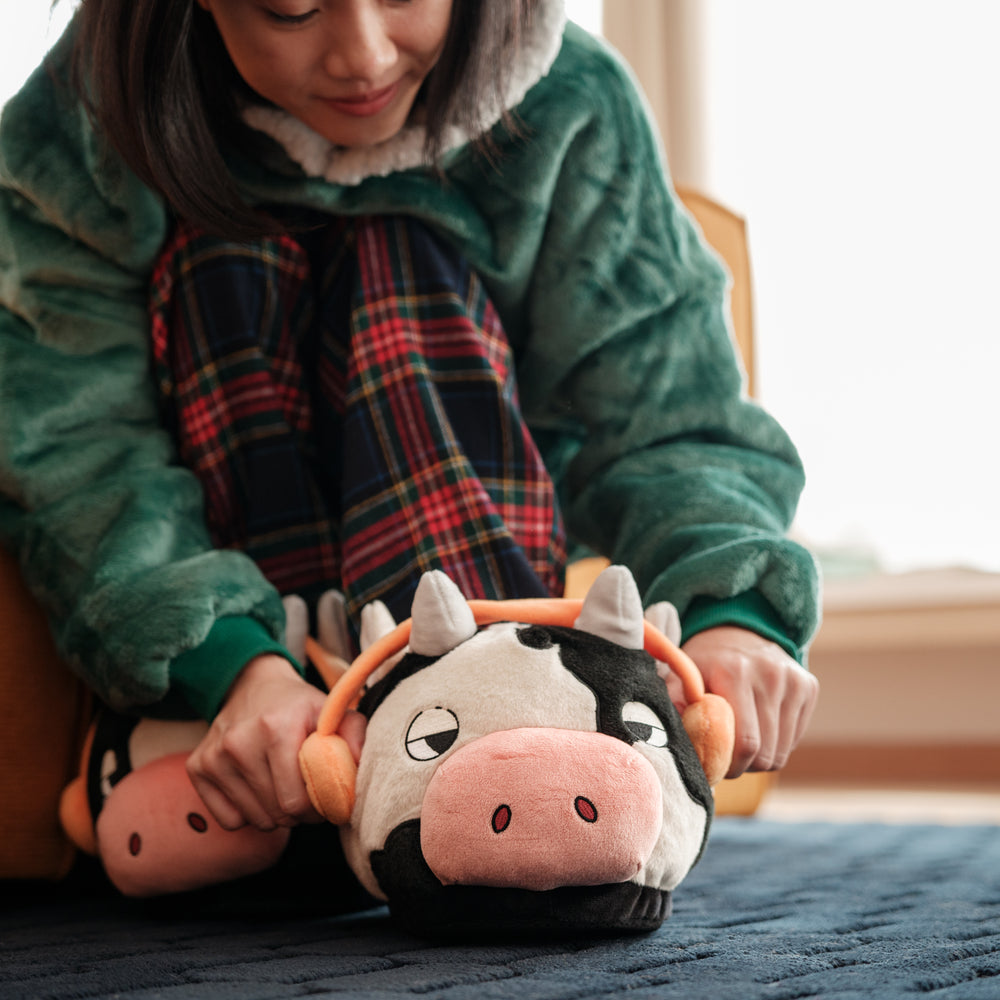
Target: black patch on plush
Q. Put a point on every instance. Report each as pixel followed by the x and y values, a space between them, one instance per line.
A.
pixel 426 907
pixel 617 676
pixel 535 637
pixel 111 732
pixel 409 665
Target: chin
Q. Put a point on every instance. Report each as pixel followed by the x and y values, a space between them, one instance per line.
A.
pixel 354 133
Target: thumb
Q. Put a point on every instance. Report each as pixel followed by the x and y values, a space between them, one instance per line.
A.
pixel 676 691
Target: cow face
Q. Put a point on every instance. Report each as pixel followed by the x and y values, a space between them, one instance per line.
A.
pixel 530 776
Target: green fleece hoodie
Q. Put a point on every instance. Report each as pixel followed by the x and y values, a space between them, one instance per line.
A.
pixel 612 304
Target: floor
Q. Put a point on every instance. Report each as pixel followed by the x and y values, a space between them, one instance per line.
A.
pixel 910 804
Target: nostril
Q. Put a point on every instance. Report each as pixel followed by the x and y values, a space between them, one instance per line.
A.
pixel 501 819
pixel 585 809
pixel 197 822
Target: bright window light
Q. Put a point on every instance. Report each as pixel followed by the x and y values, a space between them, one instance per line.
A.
pixel 27 29
pixel 586 13
pixel 858 139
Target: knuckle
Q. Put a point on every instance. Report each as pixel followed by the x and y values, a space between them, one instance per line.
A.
pixel 232 745
pixel 765 762
pixel 194 767
pixel 291 810
pixel 747 746
pixel 272 729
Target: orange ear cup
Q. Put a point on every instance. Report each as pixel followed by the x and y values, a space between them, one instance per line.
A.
pixel 330 775
pixel 74 806
pixel 708 719
pixel 74 815
pixel 711 727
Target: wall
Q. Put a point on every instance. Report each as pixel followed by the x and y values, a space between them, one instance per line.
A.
pixel 909 668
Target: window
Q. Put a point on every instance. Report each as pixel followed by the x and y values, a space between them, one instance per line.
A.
pixel 586 13
pixel 27 29
pixel 858 139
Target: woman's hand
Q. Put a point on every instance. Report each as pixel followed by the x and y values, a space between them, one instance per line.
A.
pixel 246 768
pixel 772 696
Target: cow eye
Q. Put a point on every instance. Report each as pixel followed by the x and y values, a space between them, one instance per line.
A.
pixel 431 733
pixel 644 724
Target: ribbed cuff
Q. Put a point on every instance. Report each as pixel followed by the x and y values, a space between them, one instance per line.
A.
pixel 204 675
pixel 748 610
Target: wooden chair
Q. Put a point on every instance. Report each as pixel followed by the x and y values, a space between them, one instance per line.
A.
pixel 43 712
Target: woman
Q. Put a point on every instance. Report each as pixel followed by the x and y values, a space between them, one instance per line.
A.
pixel 269 180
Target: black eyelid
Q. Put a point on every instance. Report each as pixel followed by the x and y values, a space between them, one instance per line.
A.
pixel 641 730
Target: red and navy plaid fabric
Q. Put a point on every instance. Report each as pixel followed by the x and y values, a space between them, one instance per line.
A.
pixel 347 399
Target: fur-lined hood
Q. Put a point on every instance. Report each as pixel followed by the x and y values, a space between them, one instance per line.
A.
pixel 318 157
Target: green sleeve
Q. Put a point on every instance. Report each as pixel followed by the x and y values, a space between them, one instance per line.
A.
pixel 632 384
pixel 203 675
pixel 109 532
pixel 749 611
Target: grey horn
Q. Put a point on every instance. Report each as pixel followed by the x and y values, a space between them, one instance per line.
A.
pixel 441 617
pixel 612 609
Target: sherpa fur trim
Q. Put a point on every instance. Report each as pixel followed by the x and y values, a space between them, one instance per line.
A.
pixel 318 157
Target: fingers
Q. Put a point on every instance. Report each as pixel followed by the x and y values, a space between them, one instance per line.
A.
pixel 748 729
pixel 784 708
pixel 265 792
pixel 771 695
pixel 292 803
pixel 227 815
pixel 232 786
pixel 809 700
pixel 352 729
pixel 231 800
pixel 675 689
pixel 249 774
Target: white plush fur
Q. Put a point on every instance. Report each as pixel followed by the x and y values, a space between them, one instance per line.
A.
pixel 532 689
pixel 493 683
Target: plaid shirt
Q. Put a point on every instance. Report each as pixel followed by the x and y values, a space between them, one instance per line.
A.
pixel 347 399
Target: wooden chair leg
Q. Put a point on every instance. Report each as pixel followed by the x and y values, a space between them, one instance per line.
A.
pixel 43 713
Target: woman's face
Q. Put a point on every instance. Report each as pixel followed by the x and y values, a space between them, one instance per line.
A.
pixel 349 69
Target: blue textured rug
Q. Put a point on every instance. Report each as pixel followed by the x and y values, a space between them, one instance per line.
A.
pixel 776 911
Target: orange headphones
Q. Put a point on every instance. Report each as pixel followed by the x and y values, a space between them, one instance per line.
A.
pixel 330 771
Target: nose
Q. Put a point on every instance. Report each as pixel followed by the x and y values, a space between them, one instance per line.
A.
pixel 360 46
pixel 541 808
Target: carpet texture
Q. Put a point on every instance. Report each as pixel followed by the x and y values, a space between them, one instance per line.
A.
pixel 774 910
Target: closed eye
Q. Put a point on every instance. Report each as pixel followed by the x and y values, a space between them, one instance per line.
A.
pixel 290 18
pixel 431 733
pixel 644 724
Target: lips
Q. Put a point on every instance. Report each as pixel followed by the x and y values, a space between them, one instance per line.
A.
pixel 365 105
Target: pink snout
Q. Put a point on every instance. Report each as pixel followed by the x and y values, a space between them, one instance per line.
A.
pixel 541 808
pixel 155 835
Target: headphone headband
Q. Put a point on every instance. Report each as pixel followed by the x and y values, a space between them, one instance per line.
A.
pixel 527 611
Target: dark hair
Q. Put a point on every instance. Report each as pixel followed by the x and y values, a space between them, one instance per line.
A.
pixel 159 84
